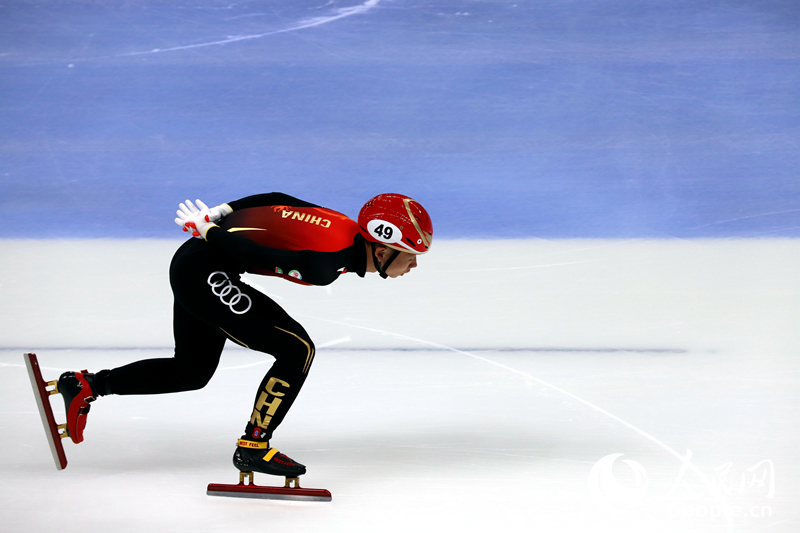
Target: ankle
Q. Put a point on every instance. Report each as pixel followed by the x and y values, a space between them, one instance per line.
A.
pixel 253 445
pixel 100 383
pixel 255 433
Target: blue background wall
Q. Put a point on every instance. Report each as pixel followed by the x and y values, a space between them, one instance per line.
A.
pixel 595 118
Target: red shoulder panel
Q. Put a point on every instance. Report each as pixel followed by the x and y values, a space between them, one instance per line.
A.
pixel 293 228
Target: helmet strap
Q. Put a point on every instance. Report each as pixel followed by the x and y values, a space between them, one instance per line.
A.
pixel 382 269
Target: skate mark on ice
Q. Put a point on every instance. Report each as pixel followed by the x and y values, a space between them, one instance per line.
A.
pixel 340 13
pixel 535 349
pixel 334 342
pixel 246 365
pixel 745 218
pixel 14 365
pixel 684 459
pixel 270 361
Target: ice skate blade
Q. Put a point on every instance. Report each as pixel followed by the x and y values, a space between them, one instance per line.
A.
pixel 269 493
pixel 290 491
pixel 42 395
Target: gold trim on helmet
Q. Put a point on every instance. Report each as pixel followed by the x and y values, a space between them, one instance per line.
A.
pixel 427 239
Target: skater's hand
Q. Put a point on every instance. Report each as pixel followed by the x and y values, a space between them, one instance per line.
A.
pixel 215 214
pixel 218 213
pixel 196 219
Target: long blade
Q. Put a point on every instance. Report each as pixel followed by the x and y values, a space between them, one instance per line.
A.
pixel 270 493
pixel 42 396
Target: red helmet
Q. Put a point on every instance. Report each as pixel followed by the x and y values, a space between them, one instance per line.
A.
pixel 397 221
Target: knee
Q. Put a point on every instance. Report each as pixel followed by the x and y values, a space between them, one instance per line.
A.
pixel 195 380
pixel 304 356
pixel 297 350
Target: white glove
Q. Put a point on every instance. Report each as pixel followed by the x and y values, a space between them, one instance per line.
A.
pixel 218 213
pixel 195 219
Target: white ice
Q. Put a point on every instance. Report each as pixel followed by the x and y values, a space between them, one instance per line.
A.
pixel 477 393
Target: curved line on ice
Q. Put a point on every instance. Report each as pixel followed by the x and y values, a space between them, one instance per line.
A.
pixel 340 13
pixel 746 217
pixel 685 460
pixel 246 365
pixel 270 361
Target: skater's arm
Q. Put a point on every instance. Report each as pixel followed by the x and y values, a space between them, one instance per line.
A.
pixel 250 254
pixel 316 268
pixel 267 199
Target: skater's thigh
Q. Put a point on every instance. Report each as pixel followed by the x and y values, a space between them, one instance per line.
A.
pixel 245 315
pixel 265 326
pixel 197 343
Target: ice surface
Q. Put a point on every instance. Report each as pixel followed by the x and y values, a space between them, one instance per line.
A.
pixel 478 392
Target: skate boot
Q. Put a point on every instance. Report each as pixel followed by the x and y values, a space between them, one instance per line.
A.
pixel 251 456
pixel 76 389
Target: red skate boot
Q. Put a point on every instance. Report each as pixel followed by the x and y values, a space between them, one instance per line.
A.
pixel 76 389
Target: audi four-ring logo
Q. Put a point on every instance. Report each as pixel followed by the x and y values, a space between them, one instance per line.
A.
pixel 229 294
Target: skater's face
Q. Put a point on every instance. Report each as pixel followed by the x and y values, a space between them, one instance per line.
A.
pixel 402 264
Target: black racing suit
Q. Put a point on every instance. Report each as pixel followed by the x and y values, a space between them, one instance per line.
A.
pixel 212 305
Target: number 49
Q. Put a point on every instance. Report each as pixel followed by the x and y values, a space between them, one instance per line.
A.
pixel 384 232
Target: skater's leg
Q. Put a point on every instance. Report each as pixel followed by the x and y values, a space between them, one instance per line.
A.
pixel 198 347
pixel 251 319
pixel 294 352
pixel 267 328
